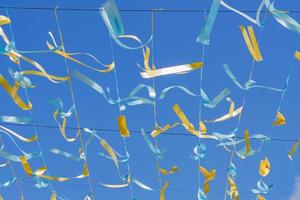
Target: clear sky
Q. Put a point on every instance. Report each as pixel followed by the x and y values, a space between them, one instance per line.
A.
pixel 174 42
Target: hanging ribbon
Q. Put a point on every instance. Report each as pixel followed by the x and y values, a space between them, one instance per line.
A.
pixel 123 126
pixel 264 167
pixel 233 193
pixel 293 150
pixel 173 170
pixel 209 176
pixel 113 21
pixel 163 190
pixel 156 151
pixel 280 119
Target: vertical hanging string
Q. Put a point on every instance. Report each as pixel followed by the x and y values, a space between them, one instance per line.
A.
pixel 200 106
pixel 120 113
pixel 155 103
pixel 31 115
pixel 83 149
pixel 243 104
pixel 13 171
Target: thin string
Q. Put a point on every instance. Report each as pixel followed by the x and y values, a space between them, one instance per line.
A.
pixel 243 104
pixel 200 107
pixel 84 150
pixel 155 104
pixel 120 113
pixel 32 116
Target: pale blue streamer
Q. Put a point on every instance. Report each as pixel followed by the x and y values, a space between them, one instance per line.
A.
pixel 23 81
pixel 16 120
pixel 130 100
pixel 16 158
pixel 232 171
pixel 7 183
pixel 206 29
pixel 113 21
pixel 199 152
pixel 201 195
pixel 283 18
pixel 262 188
pixel 249 84
pixel 206 101
pixel 155 151
pixel 65 154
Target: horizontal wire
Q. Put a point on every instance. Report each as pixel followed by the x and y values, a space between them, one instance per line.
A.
pixel 134 10
pixel 132 131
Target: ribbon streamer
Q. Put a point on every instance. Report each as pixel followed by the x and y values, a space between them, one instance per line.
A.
pixel 233 193
pixel 11 132
pixel 199 152
pixel 209 176
pixel 293 150
pixel 123 126
pixel 12 92
pixel 7 183
pixel 155 151
pixel 262 188
pixel 130 100
pixel 283 18
pixel 16 120
pixel 249 84
pixel 206 29
pixel 251 43
pixel 264 167
pixel 173 170
pixel 113 21
pixel 206 102
pixel 280 119
pixel 163 190
pixel 178 69
pixel 40 172
pixel 157 131
pixel 65 154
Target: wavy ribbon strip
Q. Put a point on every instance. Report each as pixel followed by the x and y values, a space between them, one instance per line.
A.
pixel 156 151
pixel 68 56
pixel 15 158
pixel 12 92
pixel 40 172
pixel 260 197
pixel 247 142
pixel 11 132
pixel 262 188
pixel 4 20
pixel 178 69
pixel 65 154
pixel 201 195
pixel 199 152
pixel 249 84
pixel 130 100
pixel 233 193
pixel 157 131
pixel 206 29
pixel 110 152
pixel 23 81
pixel 16 120
pixel 231 171
pixel 113 21
pixel 173 170
pixel 7 183
pixel 209 176
pixel 206 102
pixel 283 18
pixel 264 167
pixel 258 12
pixel 280 119
pixel 251 43
pixel 189 126
pixel 293 150
pixel 230 115
pixel 163 190
pixel 122 124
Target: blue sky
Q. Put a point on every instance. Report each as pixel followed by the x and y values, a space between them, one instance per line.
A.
pixel 174 43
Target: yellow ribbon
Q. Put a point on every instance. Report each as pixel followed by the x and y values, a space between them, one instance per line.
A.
pixel 260 197
pixel 39 73
pixel 171 171
pixel 12 91
pixel 293 150
pixel 247 141
pixel 209 176
pixel 110 151
pixel 123 126
pixel 234 193
pixel 53 196
pixel 40 171
pixel 162 191
pixel 23 139
pixel 158 131
pixel 178 69
pixel 62 128
pixel 251 43
pixel 264 167
pixel 280 119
